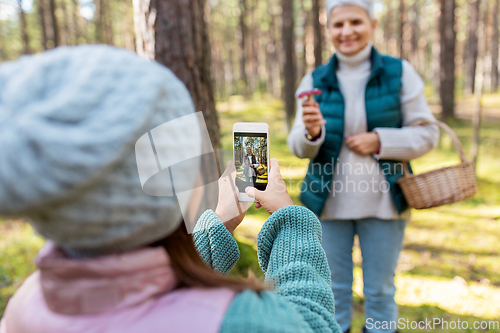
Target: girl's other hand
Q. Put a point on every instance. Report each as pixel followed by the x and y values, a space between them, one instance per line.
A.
pixel 275 196
pixel 363 143
pixel 312 118
pixel 229 209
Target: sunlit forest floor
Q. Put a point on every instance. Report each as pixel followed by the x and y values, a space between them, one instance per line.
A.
pixel 451 258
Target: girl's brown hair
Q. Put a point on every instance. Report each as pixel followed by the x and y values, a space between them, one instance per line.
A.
pixel 192 271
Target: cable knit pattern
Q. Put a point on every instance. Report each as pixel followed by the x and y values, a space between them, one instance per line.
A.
pixel 291 256
pixel 215 244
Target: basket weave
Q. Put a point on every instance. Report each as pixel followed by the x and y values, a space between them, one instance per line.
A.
pixel 441 186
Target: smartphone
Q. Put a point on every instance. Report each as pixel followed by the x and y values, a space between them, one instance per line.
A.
pixel 251 157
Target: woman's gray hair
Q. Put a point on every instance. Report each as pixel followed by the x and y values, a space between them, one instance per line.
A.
pixel 366 4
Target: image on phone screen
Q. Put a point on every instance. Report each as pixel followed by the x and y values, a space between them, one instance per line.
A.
pixel 250 160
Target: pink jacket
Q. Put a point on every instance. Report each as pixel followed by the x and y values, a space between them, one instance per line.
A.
pixel 130 292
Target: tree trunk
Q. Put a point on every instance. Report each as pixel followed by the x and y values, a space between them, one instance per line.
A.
pixel 65 36
pixel 289 67
pixel 414 34
pixel 318 34
pixel 243 54
pixel 254 49
pixel 479 81
pixel 55 27
pixel 471 47
pixel 161 27
pixel 401 27
pixel 495 46
pixel 43 25
pixel 24 32
pixel 446 56
pixel 388 26
pixel 302 68
pixel 273 64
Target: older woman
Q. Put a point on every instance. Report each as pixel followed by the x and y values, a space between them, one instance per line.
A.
pixel 357 135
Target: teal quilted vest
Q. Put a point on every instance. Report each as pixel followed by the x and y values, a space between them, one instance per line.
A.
pixel 382 110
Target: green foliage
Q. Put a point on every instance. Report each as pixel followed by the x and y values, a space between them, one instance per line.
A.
pixel 18 247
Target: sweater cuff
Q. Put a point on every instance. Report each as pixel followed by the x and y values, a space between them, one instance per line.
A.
pixel 215 244
pixel 390 143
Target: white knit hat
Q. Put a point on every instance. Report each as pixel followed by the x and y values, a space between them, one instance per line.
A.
pixel 366 4
pixel 69 121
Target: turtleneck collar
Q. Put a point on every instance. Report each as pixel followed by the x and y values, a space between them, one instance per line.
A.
pixel 360 59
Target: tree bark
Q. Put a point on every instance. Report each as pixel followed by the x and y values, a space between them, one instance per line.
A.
pixel 289 67
pixel 318 34
pixel 24 32
pixel 76 22
pixel 43 24
pixel 65 36
pixel 415 34
pixel 388 26
pixel 243 53
pixel 446 56
pixel 401 27
pixel 163 28
pixel 55 27
pixel 479 81
pixel 273 69
pixel 495 46
pixel 471 47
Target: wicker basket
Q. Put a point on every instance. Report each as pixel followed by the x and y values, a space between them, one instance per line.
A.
pixel 441 186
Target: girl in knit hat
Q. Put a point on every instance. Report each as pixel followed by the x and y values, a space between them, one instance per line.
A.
pixel 357 134
pixel 117 259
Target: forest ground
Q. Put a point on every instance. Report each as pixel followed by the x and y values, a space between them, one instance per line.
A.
pixel 450 262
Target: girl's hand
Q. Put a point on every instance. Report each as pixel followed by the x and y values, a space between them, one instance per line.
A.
pixel 275 196
pixel 312 118
pixel 364 143
pixel 230 211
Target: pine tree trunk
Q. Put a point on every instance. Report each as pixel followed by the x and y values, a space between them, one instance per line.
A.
pixel 318 34
pixel 24 32
pixel 471 47
pixel 289 67
pixel 495 46
pixel 76 22
pixel 43 24
pixel 162 27
pixel 243 54
pixel 415 34
pixel 55 27
pixel 388 26
pixel 401 27
pixel 65 36
pixel 446 56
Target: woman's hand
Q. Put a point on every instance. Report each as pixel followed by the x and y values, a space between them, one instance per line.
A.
pixel 275 196
pixel 364 143
pixel 312 118
pixel 230 211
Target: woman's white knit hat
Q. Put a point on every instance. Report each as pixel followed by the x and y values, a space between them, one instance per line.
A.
pixel 366 4
pixel 69 121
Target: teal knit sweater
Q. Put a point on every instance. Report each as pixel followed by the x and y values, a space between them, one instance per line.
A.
pixel 291 256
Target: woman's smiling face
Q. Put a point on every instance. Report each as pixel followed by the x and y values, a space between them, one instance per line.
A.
pixel 351 28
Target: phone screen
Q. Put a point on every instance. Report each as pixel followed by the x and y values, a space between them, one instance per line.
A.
pixel 250 160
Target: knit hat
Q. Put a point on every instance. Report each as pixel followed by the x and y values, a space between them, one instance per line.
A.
pixel 366 4
pixel 69 122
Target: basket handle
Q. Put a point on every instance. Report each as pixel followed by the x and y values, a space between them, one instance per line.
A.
pixel 449 131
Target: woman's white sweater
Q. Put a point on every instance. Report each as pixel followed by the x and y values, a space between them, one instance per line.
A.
pixel 359 189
